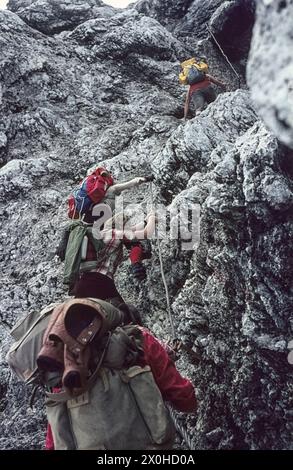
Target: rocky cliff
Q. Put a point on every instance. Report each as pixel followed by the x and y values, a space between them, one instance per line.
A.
pixel 82 83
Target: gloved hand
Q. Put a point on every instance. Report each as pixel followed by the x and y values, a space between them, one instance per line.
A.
pixel 138 271
pixel 173 348
pixel 149 178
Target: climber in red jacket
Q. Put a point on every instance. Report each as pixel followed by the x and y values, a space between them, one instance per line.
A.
pixel 176 390
pixel 201 93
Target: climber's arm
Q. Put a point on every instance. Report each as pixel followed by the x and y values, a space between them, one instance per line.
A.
pixel 216 81
pixel 139 226
pixel 174 388
pixel 119 187
pixel 130 233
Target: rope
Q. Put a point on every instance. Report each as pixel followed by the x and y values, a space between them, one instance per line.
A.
pixel 182 431
pixel 225 56
pixel 163 276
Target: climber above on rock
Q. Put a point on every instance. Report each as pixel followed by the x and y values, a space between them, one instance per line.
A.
pixel 87 204
pixel 200 83
pixel 98 187
pixel 94 253
pixel 96 271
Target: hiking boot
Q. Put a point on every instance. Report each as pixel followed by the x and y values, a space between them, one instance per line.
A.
pixel 81 323
pixel 75 368
pixel 74 323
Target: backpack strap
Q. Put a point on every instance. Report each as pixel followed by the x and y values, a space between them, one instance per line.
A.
pixel 86 266
pixel 127 374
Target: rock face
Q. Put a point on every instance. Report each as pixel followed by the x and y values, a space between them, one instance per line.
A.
pixel 270 67
pixel 230 21
pixel 190 14
pixel 54 16
pixel 78 93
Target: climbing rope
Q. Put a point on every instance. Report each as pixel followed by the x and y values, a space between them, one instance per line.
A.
pixel 225 56
pixel 180 429
pixel 163 276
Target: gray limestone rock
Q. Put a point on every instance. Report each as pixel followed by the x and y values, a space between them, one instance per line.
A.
pixel 54 16
pixel 189 16
pixel 269 71
pixel 77 94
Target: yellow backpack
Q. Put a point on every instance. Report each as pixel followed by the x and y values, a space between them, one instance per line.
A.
pixel 192 71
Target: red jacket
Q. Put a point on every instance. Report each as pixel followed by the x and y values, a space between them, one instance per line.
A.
pixel 199 86
pixel 204 84
pixel 174 388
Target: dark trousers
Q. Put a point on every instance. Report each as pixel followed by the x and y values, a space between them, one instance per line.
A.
pixel 201 97
pixel 96 285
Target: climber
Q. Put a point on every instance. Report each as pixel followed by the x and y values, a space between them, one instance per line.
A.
pixel 194 73
pixel 95 188
pixel 83 252
pixel 123 359
pixel 97 271
pixel 201 93
pixel 77 242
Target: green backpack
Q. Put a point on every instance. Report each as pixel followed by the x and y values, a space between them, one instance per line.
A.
pixel 121 406
pixel 74 263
